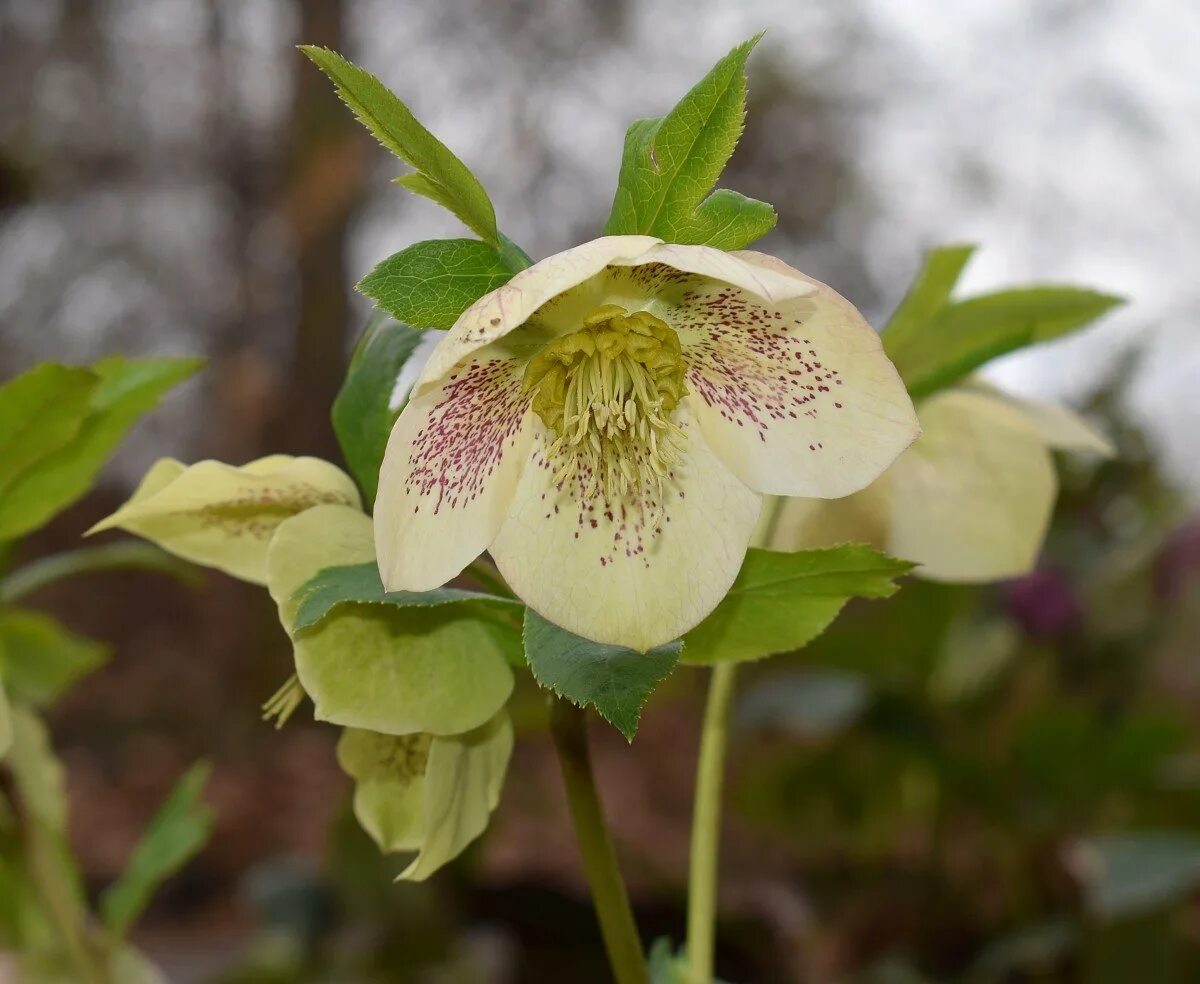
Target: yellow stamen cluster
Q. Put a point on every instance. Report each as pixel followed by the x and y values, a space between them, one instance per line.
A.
pixel 607 391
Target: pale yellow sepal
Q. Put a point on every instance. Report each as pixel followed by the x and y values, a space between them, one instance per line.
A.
pixel 428 794
pixel 390 670
pixel 463 780
pixel 970 501
pixel 223 516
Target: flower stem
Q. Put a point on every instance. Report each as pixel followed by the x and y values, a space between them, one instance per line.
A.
pixel 621 940
pixel 120 555
pixel 706 826
pixel 706 805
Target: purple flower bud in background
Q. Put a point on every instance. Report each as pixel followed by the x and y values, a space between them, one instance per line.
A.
pixel 1179 561
pixel 1043 603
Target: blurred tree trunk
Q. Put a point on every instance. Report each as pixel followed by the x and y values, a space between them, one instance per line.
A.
pixel 325 183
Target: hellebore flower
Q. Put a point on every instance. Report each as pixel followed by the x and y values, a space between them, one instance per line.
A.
pixel 224 516
pixel 970 501
pixel 420 692
pixel 607 423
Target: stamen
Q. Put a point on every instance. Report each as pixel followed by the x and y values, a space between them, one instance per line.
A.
pixel 282 704
pixel 607 391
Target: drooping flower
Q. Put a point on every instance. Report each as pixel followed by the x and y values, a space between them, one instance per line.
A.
pixel 420 692
pixel 607 423
pixel 970 501
pixel 224 516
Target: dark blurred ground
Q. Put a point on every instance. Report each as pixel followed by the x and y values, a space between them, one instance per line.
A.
pixel 173 179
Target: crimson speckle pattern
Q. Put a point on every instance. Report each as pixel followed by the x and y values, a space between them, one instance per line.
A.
pixel 626 527
pixel 466 434
pixel 744 362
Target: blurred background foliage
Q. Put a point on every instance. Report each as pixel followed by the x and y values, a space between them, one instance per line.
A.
pixel 957 784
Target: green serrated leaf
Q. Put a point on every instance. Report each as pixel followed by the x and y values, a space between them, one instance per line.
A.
pixel 963 335
pixel 431 283
pixel 670 165
pixel 929 293
pixel 127 389
pixel 40 659
pixel 782 601
pixel 40 411
pixel 178 831
pixel 360 584
pixel 362 413
pixel 614 679
pixel 440 175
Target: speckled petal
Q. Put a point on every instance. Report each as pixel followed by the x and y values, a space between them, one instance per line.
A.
pixel 796 397
pixel 224 516
pixel 449 473
pixel 631 573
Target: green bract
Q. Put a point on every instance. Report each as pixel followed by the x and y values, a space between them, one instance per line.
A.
pixel 440 176
pixel 429 284
pixel 935 341
pixel 58 426
pixel 782 601
pixel 359 584
pixel 363 412
pixel 616 680
pixel 670 165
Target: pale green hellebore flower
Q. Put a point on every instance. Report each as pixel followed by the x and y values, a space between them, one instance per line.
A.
pixel 414 677
pixel 607 423
pixel 224 516
pixel 422 696
pixel 970 501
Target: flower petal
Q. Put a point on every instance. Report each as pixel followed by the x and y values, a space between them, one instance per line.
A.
pixel 463 780
pixel 449 473
pixel 389 787
pixel 795 397
pixel 627 573
pixel 742 269
pixel 1060 427
pixel 971 500
pixel 395 671
pixel 496 314
pixel 222 516
pixel 809 524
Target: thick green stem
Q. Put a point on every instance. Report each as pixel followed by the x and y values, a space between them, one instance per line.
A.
pixel 625 954
pixel 706 826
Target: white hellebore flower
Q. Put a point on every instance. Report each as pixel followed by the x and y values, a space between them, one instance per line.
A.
pixel 607 423
pixel 970 501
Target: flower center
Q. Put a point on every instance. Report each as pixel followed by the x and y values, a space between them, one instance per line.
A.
pixel 607 391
